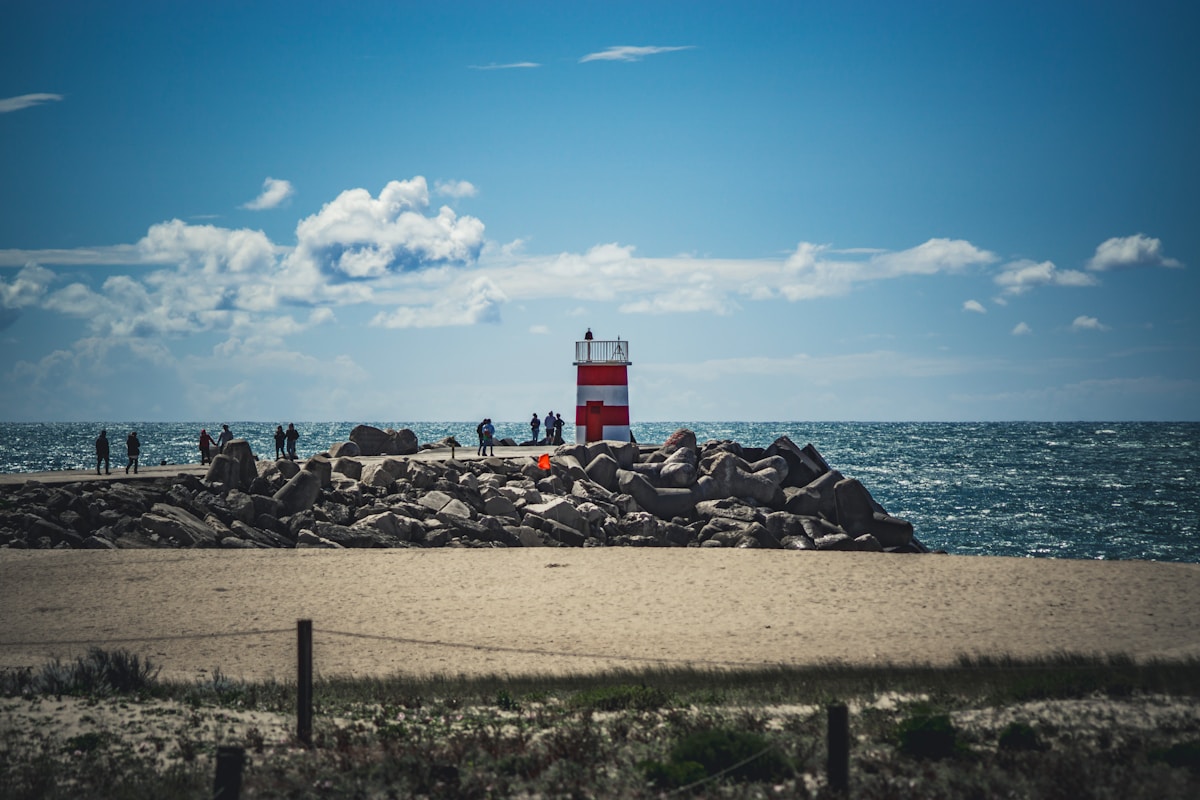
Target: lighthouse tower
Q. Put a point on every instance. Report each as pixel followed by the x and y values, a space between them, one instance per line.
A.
pixel 602 390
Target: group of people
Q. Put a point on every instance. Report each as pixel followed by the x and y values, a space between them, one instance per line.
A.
pixel 553 427
pixel 553 424
pixel 133 449
pixel 285 446
pixel 287 438
pixel 487 437
pixel 207 444
pixel 285 442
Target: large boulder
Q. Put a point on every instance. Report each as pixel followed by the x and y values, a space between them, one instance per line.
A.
pixel 175 524
pixel 662 503
pixel 344 450
pixel 322 467
pixel 299 493
pixel 372 441
pixel 805 464
pixel 733 477
pixel 235 466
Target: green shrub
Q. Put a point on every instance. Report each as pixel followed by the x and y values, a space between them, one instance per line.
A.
pixel 621 698
pixel 730 754
pixel 506 702
pixel 927 736
pixel 1181 754
pixel 1020 737
pixel 99 672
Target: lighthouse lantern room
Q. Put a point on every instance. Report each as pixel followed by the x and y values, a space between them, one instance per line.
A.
pixel 602 390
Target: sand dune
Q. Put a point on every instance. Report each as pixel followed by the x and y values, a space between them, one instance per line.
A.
pixel 571 610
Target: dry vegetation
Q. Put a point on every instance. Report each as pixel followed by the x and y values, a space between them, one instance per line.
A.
pixel 105 726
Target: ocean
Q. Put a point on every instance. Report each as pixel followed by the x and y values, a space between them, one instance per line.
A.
pixel 1120 490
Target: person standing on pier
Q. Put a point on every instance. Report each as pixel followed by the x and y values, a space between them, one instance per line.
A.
pixel 279 440
pixel 134 448
pixel 489 438
pixel 292 435
pixel 102 452
pixel 534 425
pixel 225 438
pixel 206 444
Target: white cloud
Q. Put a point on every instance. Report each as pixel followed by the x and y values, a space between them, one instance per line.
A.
pixel 1083 323
pixel 539 330
pixel 811 275
pixel 974 306
pixel 1022 329
pixel 27 288
pixel 630 53
pixel 274 192
pixel 455 189
pixel 1121 252
pixel 358 236
pixel 1018 277
pixel 514 65
pixel 479 302
pixel 207 247
pixel 10 104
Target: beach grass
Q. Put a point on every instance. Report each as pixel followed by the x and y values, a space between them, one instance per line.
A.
pixel 1073 725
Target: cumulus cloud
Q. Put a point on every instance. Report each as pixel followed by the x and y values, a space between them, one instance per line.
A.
pixel 274 192
pixel 207 247
pixel 1084 323
pixel 1018 277
pixel 630 53
pixel 455 189
pixel 479 302
pixel 974 306
pixel 1124 252
pixel 10 104
pixel 27 288
pixel 357 236
pixel 1022 329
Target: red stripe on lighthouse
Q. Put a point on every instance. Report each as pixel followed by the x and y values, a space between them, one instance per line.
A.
pixel 603 375
pixel 609 415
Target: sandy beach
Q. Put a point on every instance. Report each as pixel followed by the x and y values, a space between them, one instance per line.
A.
pixel 559 610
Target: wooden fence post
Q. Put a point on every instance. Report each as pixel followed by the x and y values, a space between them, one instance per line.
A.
pixel 304 681
pixel 838 748
pixel 228 782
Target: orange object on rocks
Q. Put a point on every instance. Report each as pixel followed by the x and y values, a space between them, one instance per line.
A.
pixel 544 461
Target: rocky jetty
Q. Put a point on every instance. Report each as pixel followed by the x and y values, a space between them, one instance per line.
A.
pixel 604 494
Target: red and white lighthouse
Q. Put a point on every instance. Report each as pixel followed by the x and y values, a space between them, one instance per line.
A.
pixel 602 390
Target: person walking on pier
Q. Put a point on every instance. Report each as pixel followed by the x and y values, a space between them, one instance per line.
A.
pixel 102 452
pixel 134 449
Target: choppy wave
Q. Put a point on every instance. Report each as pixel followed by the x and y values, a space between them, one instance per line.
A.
pixel 1064 490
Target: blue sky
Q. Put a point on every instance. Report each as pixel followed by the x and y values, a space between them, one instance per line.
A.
pixel 793 211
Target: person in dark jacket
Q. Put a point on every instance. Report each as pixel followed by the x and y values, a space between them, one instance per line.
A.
pixel 206 445
pixel 291 435
pixel 102 452
pixel 279 440
pixel 134 448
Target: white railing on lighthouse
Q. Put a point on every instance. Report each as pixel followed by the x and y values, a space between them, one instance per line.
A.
pixel 602 351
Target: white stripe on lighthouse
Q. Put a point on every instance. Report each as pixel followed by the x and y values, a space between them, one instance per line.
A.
pixel 609 395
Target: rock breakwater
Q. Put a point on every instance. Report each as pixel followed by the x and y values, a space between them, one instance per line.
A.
pixel 682 494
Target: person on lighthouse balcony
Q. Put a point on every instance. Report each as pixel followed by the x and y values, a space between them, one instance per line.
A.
pixel 588 336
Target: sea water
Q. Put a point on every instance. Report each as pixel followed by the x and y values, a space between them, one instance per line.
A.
pixel 1123 490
